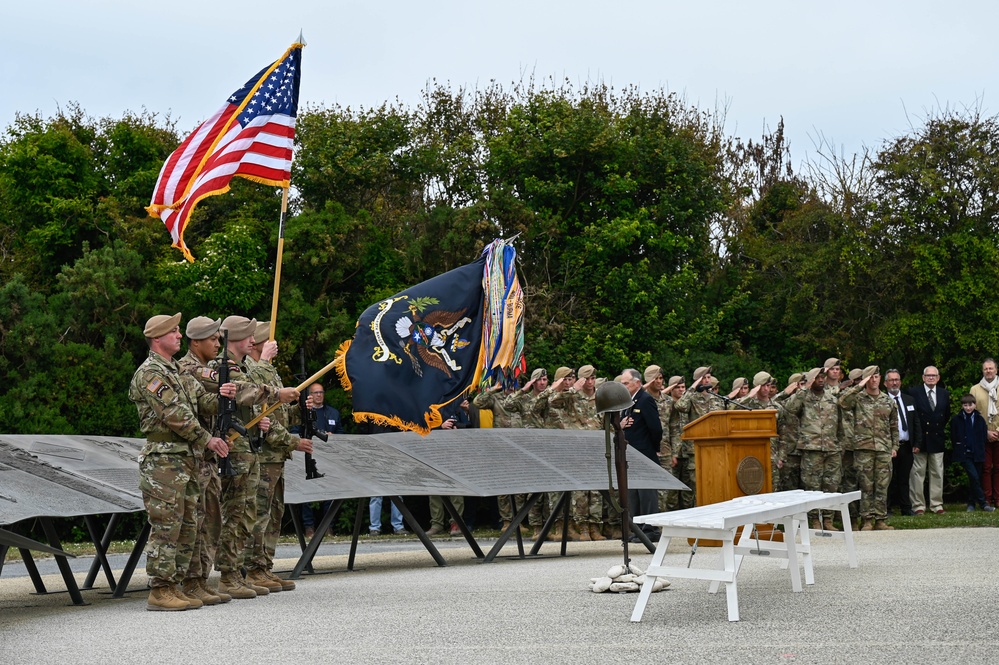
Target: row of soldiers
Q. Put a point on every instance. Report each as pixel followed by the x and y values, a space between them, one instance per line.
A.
pixel 199 519
pixel 823 418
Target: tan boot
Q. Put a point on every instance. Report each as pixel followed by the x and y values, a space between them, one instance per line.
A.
pixel 232 584
pixel 162 599
pixel 574 533
pixel 556 533
pixel 828 524
pixel 881 525
pixel 192 589
pixel 615 533
pixel 192 602
pixel 816 524
pixel 286 585
pixel 256 578
pixel 595 532
pixel 867 525
pixel 537 534
pixel 584 533
pixel 506 525
pixel 223 597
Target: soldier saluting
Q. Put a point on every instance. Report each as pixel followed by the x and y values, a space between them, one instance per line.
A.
pixel 169 404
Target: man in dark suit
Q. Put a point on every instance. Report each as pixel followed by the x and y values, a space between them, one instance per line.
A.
pixel 933 407
pixel 644 432
pixel 910 435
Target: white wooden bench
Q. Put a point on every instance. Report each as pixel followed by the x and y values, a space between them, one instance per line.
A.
pixel 721 521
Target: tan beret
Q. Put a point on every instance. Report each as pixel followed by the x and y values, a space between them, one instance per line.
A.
pixel 714 381
pixel 795 378
pixel 538 373
pixel 586 371
pixel 674 381
pixel 814 372
pixel 701 371
pixel 871 370
pixel 761 378
pixel 600 381
pixel 856 374
pixel 651 372
pixel 739 383
pixel 239 327
pixel 160 325
pixel 201 327
pixel 562 372
pixel 830 363
pixel 263 332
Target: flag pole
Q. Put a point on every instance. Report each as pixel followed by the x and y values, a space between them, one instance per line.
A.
pixel 277 268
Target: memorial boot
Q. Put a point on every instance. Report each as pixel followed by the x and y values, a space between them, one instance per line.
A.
pixel 584 533
pixel 192 602
pixel 223 597
pixel 162 599
pixel 595 532
pixel 828 524
pixel 881 525
pixel 192 589
pixel 231 583
pixel 867 525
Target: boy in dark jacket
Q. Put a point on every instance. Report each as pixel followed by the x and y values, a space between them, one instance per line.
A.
pixel 968 434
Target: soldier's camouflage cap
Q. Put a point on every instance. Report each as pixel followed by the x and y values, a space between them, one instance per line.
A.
pixel 239 327
pixel 160 325
pixel 856 374
pixel 201 327
pixel 263 332
pixel 652 372
pixel 586 371
pixel 871 370
pixel 761 378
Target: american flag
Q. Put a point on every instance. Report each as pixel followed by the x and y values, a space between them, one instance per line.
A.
pixel 250 136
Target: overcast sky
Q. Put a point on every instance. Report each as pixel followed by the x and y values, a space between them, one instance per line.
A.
pixel 856 72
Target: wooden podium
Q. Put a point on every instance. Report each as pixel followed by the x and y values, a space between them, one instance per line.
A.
pixel 732 456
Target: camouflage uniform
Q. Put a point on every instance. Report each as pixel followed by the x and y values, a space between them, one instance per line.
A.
pixel 787 438
pixel 849 482
pixel 523 403
pixel 277 447
pixel 587 505
pixel 691 406
pixel 875 439
pixel 664 404
pixel 777 456
pixel 505 414
pixel 239 493
pixel 209 514
pixel 168 404
pixel 557 409
pixel 818 441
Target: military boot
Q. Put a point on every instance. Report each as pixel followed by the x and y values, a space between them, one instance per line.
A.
pixel 537 534
pixel 232 584
pixel 223 597
pixel 828 524
pixel 556 533
pixel 595 532
pixel 256 581
pixel 192 602
pixel 881 525
pixel 192 589
pixel 506 525
pixel 584 533
pixel 615 532
pixel 573 531
pixel 162 599
pixel 816 524
pixel 286 585
pixel 867 525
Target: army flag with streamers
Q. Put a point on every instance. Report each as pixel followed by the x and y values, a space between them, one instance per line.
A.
pixel 423 348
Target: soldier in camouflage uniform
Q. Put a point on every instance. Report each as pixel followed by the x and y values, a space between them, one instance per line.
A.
pixel 818 439
pixel 875 433
pixel 523 402
pixel 761 397
pixel 654 383
pixel 556 405
pixel 203 345
pixel 239 493
pixel 681 453
pixel 277 447
pixel 168 404
pixel 505 415
pixel 696 401
pixel 787 437
pixel 587 505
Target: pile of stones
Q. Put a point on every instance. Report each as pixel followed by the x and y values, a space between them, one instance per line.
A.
pixel 625 579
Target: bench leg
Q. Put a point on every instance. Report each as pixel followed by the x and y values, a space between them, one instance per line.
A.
pixel 851 551
pixel 657 561
pixel 731 588
pixel 801 519
pixel 790 542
